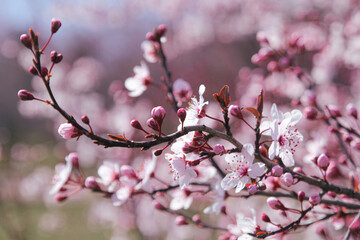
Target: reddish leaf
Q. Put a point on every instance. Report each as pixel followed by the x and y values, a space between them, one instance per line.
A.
pixel 260 103
pixel 253 111
pixel 223 98
pixel 117 138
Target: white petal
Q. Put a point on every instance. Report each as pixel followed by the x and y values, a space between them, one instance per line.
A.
pixel 296 115
pixel 201 89
pixel 229 181
pixel 248 152
pixel 256 170
pixel 178 165
pixel 274 112
pixel 265 128
pixel 274 149
pixel 241 184
pixel 287 158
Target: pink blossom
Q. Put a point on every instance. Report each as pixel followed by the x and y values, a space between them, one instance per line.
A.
pixel 287 179
pixel 138 83
pixel 150 50
pixel 241 169
pixel 182 91
pixel 314 199
pixel 181 200
pixel 196 109
pixel 109 173
pixel 145 173
pixel 68 131
pixel 182 171
pixel 244 225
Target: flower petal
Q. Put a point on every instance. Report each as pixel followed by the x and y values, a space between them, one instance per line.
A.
pixel 256 170
pixel 287 158
pixel 229 181
pixel 241 184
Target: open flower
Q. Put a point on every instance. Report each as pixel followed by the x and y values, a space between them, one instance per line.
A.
pixel 241 169
pixel 150 51
pixel 182 171
pixel 145 173
pixel 182 91
pixel 284 133
pixel 109 173
pixel 138 83
pixel 244 225
pixel 196 109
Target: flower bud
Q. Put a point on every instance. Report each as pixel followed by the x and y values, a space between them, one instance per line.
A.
pixel 261 186
pixel 92 184
pixel 275 203
pixel 287 179
pixel 128 171
pixel 68 131
pixel 314 199
pixel 85 119
pixel 351 110
pixel 277 171
pixel 162 29
pixel 33 71
pixel 181 114
pixel 255 59
pixel 310 113
pixel 44 71
pixel 74 159
pixel 25 95
pixel 331 194
pixel 60 197
pixel 219 149
pixel 196 218
pixel 301 196
pixel 265 218
pixel 356 144
pixel 25 39
pixel 261 37
pixel 157 205
pixel 272 66
pixel 235 111
pixel 158 113
pixel 180 220
pixel 284 62
pixel 158 152
pixel 136 124
pixel 152 124
pixel 55 57
pixel 252 189
pixel 308 98
pixel 323 161
pixel 150 36
pixel 55 25
pixel 334 111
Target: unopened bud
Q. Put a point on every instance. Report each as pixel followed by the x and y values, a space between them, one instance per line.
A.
pixel 275 203
pixel 265 218
pixel 33 71
pixel 25 39
pixel 351 110
pixel 157 205
pixel 261 186
pixel 235 111
pixel 301 196
pixel 331 194
pixel 181 114
pixel 180 220
pixel 158 152
pixel 162 30
pixel 323 161
pixel 219 149
pixel 55 57
pixel 74 159
pixel 136 124
pixel 158 113
pixel 314 199
pixel 277 171
pixel 252 189
pixel 128 171
pixel 44 71
pixel 261 37
pixel 25 95
pixel 310 113
pixel 196 218
pixel 356 144
pixel 55 25
pixel 92 184
pixel 272 66
pixel 287 179
pixel 85 119
pixel 60 197
pixel 284 62
pixel 334 111
pixel 152 124
pixel 150 36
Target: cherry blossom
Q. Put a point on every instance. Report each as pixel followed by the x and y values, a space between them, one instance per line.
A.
pixel 68 131
pixel 125 188
pixel 182 171
pixel 150 51
pixel 109 173
pixel 244 225
pixel 145 174
pixel 181 200
pixel 182 91
pixel 218 198
pixel 241 169
pixel 196 108
pixel 138 83
pixel 285 135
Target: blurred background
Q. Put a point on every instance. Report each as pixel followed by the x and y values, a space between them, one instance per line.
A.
pixel 209 41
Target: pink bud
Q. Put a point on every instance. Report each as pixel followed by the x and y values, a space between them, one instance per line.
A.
pixel 261 38
pixel 162 29
pixel 334 111
pixel 331 194
pixel 181 114
pixel 310 113
pixel 180 220
pixel 356 144
pixel 158 152
pixel 25 39
pixel 272 66
pixel 301 196
pixel 150 36
pixel 152 124
pixel 275 203
pixel 284 62
pixel 261 186
pixel 314 199
pixel 158 113
pixel 235 111
pixel 33 71
pixel 196 218
pixel 157 205
pixel 351 110
pixel 252 189
pixel 44 71
pixel 298 170
pixel 287 179
pixel 136 124
pixel 308 98
pixel 68 131
pixel 74 159
pixel 25 95
pixel 128 171
pixel 60 197
pixel 323 161
pixel 85 119
pixel 277 171
pixel 55 57
pixel 55 25
pixel 92 184
pixel 255 59
pixel 219 149
pixel 265 218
